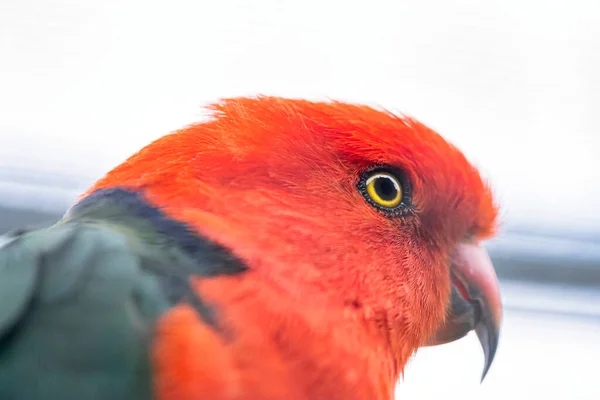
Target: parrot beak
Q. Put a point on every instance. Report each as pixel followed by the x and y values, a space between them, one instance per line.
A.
pixel 475 302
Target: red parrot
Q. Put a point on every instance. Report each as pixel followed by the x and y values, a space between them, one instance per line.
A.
pixel 281 249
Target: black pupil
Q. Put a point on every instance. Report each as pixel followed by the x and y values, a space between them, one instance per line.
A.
pixel 385 188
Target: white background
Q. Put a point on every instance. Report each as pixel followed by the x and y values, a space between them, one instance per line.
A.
pixel 514 83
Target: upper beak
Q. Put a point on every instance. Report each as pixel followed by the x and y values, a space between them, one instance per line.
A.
pixel 475 302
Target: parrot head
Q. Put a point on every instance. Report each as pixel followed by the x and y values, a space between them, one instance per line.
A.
pixel 341 205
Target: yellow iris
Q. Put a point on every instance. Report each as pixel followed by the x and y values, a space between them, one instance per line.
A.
pixel 384 189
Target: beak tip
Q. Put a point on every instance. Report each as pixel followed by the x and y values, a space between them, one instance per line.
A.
pixel 488 334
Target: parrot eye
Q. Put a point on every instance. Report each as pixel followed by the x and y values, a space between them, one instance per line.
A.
pixel 385 189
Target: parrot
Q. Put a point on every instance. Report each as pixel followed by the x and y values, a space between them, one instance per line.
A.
pixel 280 248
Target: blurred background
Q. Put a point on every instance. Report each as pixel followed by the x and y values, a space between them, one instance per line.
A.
pixel 514 83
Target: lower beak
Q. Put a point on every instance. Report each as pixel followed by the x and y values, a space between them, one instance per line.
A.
pixel 475 302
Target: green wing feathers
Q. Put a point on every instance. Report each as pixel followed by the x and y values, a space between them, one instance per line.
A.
pixel 75 315
pixel 79 300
